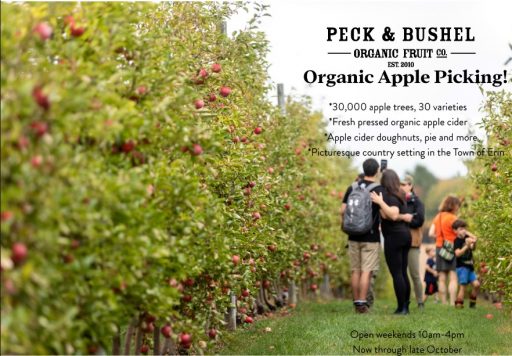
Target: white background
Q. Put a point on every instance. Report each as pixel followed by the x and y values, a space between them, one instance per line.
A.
pixel 297 34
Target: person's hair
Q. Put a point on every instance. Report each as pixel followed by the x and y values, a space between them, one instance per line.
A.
pixel 391 184
pixel 370 167
pixel 459 223
pixel 449 204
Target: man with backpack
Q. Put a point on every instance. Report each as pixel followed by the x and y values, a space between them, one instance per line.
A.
pixel 360 220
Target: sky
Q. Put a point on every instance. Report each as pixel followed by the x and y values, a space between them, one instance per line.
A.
pixel 297 31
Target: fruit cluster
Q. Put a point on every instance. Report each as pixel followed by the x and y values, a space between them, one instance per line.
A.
pixel 132 194
pixel 490 202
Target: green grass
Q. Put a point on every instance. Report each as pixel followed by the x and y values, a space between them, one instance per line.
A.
pixel 325 328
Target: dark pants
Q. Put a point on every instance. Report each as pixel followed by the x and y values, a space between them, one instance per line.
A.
pixel 396 258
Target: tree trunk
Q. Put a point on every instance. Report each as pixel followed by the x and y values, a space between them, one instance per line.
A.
pixel 232 312
pixel 116 344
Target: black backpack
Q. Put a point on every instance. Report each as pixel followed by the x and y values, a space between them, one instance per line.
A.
pixel 358 219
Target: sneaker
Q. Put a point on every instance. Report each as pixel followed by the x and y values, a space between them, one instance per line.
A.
pixel 459 304
pixel 472 304
pixel 361 308
pixel 421 306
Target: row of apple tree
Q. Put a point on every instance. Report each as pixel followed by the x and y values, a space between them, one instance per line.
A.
pixel 490 201
pixel 146 176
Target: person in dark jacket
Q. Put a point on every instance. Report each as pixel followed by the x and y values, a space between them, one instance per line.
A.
pixel 397 235
pixel 417 209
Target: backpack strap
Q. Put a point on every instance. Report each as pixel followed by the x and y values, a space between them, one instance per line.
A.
pixel 355 185
pixel 372 186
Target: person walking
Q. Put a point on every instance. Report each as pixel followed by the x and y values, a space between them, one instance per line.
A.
pixel 363 246
pixel 397 236
pixel 464 245
pixel 417 209
pixel 441 230
pixel 430 274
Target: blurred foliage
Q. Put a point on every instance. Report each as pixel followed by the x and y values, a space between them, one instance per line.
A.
pixel 444 187
pixel 128 194
pixel 423 180
pixel 489 204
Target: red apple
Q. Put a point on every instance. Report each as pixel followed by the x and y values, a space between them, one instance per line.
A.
pixel 199 104
pixel 235 259
pixel 270 170
pixel 256 216
pixel 203 73
pixel 148 327
pixel 40 128
pixel 225 91
pixel 40 98
pixel 258 130
pixel 68 258
pixel 187 298
pixel 196 149
pixel 236 139
pixel 189 282
pixel 212 333
pixel 244 139
pixel 6 215
pixel 266 284
pixel 287 206
pixel 199 80
pixel 313 287
pixel 212 97
pixel 150 318
pixel 166 331
pixel 43 30
pixel 216 68
pixel 248 320
pixel 144 349
pixel 272 248
pixel 306 255
pixel 92 349
pixel 142 89
pixel 128 146
pixel 252 184
pixel 36 161
pixel 69 20
pixel 23 142
pixel 494 167
pixel 185 338
pixel 246 293
pixel 19 253
pixel 77 31
pixel 489 316
pixel 247 191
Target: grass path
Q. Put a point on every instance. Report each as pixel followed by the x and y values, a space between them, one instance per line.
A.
pixel 326 328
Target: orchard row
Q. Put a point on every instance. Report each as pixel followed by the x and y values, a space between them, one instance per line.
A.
pixel 146 179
